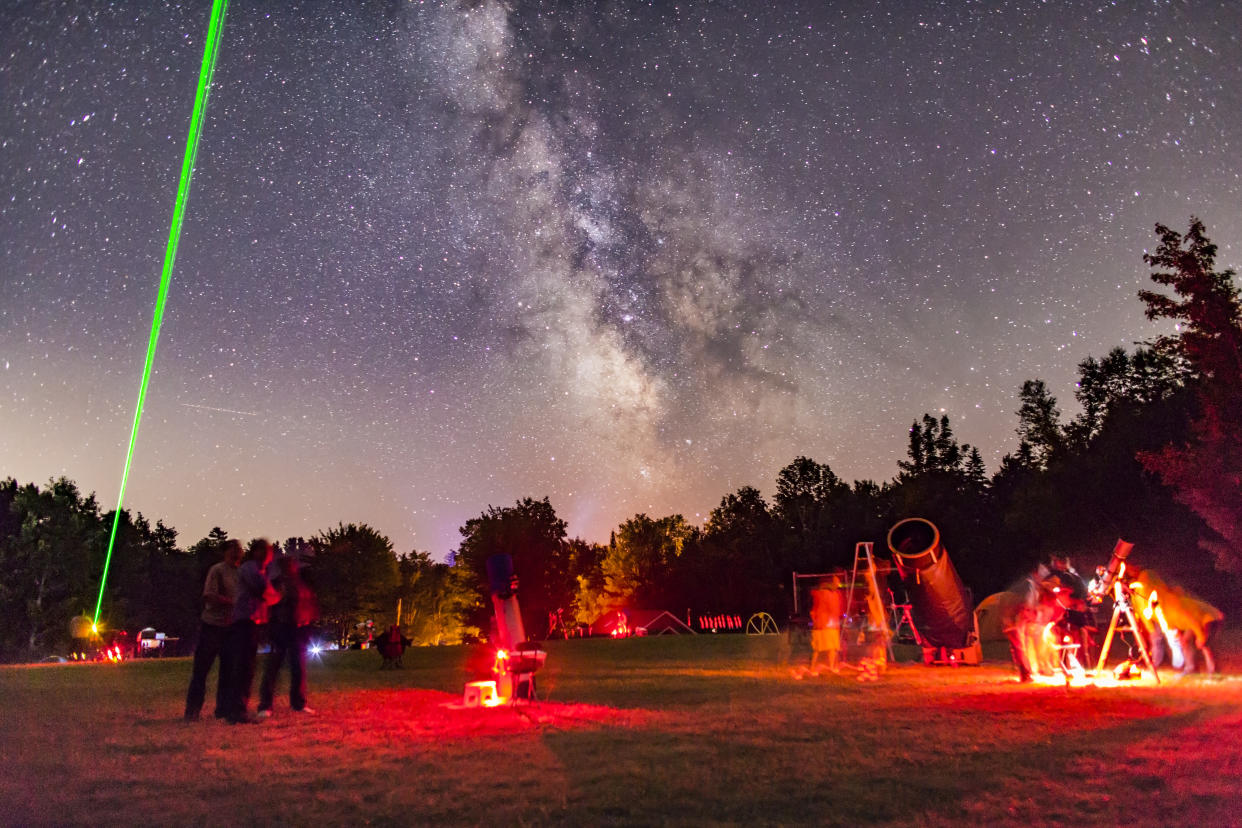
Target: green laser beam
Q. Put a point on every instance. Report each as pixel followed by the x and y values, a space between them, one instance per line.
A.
pixel 210 49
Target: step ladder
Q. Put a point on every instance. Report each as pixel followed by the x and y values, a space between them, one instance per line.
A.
pixel 864 560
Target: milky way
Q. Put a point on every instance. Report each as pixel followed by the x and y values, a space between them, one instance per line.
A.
pixel 629 256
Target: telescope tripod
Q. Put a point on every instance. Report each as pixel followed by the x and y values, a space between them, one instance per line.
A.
pixel 1122 607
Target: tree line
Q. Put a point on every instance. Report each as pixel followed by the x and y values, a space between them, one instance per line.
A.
pixel 1153 455
pixel 53 541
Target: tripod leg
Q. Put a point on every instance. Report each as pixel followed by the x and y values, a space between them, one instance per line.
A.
pixel 1142 644
pixel 1108 639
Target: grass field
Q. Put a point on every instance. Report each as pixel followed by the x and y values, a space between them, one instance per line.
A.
pixel 668 731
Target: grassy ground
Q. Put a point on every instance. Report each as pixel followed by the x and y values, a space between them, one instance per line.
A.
pixel 668 731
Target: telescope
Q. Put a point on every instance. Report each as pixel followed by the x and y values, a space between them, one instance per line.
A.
pixel 938 598
pixel 1106 576
pixel 517 660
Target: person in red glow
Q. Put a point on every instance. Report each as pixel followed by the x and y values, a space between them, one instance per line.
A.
pixel 875 638
pixel 1071 594
pixel 1194 620
pixel 1023 614
pixel 827 607
pixel 289 631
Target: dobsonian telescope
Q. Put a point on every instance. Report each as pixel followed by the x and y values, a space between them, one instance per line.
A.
pixel 939 601
pixel 517 660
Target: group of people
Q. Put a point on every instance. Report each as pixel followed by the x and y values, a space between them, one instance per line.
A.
pixel 1050 613
pixel 1040 613
pixel 243 599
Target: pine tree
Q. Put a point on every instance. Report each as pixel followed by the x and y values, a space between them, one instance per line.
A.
pixel 1206 473
pixel 1038 421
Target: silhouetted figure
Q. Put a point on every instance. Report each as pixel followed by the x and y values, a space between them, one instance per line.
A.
pixel 219 594
pixel 289 630
pixel 391 647
pixel 250 612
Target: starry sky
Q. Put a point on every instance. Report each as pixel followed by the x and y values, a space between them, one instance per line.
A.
pixel 630 256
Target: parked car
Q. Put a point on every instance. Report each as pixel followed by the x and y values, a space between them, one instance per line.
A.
pixel 150 643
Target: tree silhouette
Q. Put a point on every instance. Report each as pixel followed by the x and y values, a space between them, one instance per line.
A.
pixel 1205 471
pixel 354 575
pixel 1039 421
pixel 532 534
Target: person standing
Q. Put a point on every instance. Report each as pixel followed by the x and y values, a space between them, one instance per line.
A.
pixel 289 632
pixel 219 594
pixel 1074 598
pixel 1018 613
pixel 876 635
pixel 250 612
pixel 827 608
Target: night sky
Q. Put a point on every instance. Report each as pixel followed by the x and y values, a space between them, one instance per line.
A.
pixel 629 256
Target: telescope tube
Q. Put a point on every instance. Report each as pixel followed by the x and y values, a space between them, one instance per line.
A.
pixel 509 629
pixel 938 600
pixel 1106 576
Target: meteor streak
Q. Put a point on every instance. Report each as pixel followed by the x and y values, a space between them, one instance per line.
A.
pixel 222 410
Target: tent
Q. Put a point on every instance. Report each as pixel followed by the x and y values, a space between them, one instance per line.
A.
pixel 624 623
pixel 988 616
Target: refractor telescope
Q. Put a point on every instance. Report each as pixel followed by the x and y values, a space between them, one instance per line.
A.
pixel 1106 576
